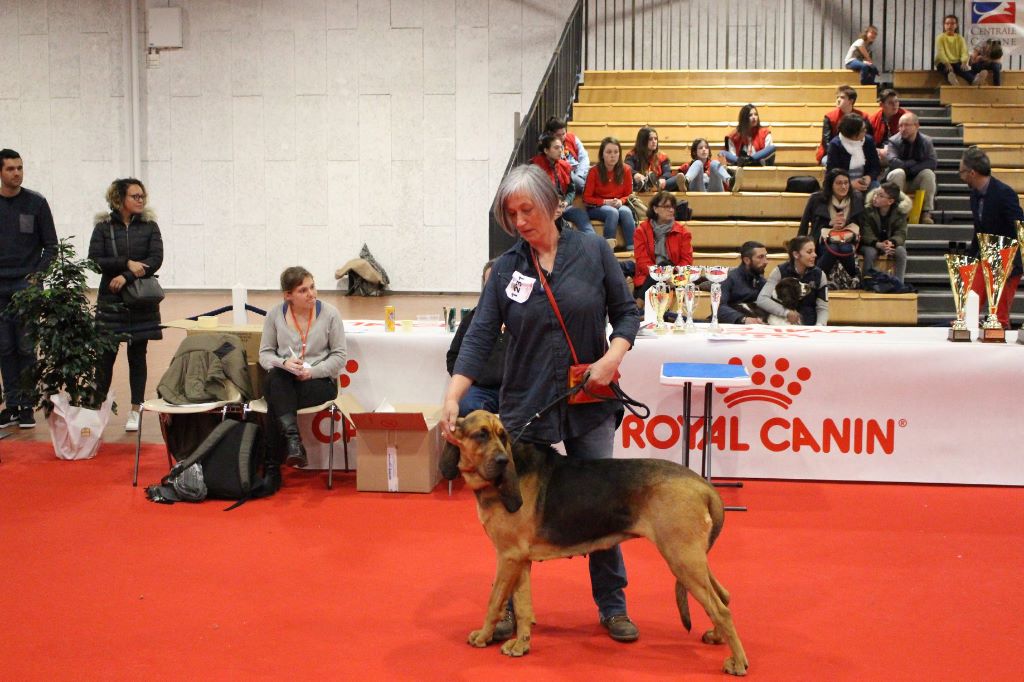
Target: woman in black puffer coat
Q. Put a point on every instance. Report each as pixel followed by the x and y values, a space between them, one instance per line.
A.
pixel 126 244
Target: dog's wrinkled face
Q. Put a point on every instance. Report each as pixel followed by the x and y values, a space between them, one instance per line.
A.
pixel 483 456
pixel 790 291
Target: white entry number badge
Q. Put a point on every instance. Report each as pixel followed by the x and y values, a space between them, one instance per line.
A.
pixel 520 287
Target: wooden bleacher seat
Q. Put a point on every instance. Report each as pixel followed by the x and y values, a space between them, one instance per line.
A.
pixel 984 113
pixel 932 80
pixel 671 94
pixel 988 94
pixel 730 234
pixel 686 133
pixel 786 153
pixel 773 178
pixel 992 133
pixel 771 113
pixel 834 77
pixel 851 308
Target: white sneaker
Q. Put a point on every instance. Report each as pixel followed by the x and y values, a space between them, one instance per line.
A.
pixel 133 422
pixel 951 77
pixel 981 78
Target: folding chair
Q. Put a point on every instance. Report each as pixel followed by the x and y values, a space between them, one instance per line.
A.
pixel 338 406
pixel 161 406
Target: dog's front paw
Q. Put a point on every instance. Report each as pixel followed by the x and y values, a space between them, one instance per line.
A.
pixel 734 667
pixel 520 646
pixel 479 638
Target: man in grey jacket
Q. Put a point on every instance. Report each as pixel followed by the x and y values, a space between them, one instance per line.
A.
pixel 29 243
pixel 912 162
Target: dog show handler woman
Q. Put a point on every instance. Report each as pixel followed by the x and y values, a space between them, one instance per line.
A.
pixel 589 289
pixel 303 351
pixel 813 308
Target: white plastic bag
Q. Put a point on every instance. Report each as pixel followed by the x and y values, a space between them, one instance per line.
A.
pixel 76 432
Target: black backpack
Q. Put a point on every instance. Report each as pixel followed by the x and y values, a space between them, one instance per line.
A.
pixel 802 184
pixel 228 468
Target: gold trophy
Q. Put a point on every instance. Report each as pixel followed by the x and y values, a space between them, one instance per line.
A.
pixel 996 254
pixel 961 270
pixel 660 295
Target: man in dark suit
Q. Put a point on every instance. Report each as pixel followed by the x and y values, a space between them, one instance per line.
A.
pixel 996 209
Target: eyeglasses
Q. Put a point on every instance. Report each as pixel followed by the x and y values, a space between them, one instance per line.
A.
pixel 137 197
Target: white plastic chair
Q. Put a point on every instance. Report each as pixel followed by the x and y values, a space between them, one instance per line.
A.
pixel 161 406
pixel 337 406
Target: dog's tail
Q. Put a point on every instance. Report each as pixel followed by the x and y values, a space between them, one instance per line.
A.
pixel 683 603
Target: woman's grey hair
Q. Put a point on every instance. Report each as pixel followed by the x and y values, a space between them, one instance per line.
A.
pixel 530 181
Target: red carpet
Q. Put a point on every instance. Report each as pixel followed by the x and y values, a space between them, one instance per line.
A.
pixel 829 581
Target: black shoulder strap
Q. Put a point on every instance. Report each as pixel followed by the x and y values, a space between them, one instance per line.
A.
pixel 204 449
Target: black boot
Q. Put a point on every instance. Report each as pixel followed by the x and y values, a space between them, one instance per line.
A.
pixel 296 456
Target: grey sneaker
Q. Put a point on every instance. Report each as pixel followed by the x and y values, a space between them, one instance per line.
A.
pixel 981 78
pixel 951 77
pixel 506 627
pixel 621 628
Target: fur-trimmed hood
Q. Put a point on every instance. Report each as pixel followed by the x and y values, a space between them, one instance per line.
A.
pixel 902 206
pixel 147 215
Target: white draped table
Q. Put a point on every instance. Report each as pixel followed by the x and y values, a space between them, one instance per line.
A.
pixel 828 403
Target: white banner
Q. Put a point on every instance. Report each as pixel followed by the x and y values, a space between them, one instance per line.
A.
pixel 1002 21
pixel 828 403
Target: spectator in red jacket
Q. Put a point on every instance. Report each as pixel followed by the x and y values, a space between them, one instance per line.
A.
pixel 750 144
pixel 885 122
pixel 660 240
pixel 549 159
pixel 846 97
pixel 607 192
pixel 644 159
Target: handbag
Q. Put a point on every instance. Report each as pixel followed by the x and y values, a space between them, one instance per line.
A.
pixel 578 372
pixel 142 291
pixel 841 242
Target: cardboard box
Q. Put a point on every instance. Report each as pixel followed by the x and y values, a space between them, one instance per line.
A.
pixel 399 451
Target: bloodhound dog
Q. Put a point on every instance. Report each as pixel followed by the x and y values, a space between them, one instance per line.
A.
pixel 536 504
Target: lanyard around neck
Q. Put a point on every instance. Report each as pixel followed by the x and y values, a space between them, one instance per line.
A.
pixel 303 335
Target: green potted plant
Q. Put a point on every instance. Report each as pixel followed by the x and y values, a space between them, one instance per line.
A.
pixel 58 316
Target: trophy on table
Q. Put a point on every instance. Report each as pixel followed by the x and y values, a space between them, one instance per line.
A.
pixel 1020 236
pixel 961 269
pixel 660 295
pixel 680 278
pixel 716 274
pixel 689 295
pixel 996 254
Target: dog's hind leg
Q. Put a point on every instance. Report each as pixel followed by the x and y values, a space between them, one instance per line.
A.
pixel 690 566
pixel 522 600
pixel 507 578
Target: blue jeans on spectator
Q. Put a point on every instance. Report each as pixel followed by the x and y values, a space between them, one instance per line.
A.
pixel 763 157
pixel 479 398
pixel 612 218
pixel 17 349
pixel 607 570
pixel 995 67
pixel 868 72
pixel 578 217
pixel 698 181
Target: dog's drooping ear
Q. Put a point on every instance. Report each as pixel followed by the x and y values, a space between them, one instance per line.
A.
pixel 508 489
pixel 449 464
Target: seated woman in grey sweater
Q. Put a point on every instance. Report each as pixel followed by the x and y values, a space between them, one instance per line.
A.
pixel 303 351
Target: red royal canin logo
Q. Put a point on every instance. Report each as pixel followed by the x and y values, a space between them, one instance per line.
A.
pixel 776 383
